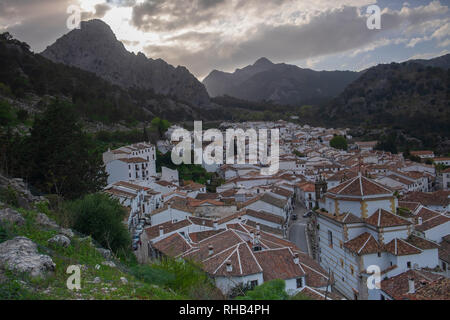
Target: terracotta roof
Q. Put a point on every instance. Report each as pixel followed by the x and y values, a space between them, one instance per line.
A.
pixel 360 187
pixel 430 219
pixel 202 235
pixel 265 216
pixel 363 244
pixel 280 203
pixel 279 264
pixel 397 287
pixel 168 227
pixel 410 205
pixel 344 218
pixel 436 290
pixel 444 249
pixel 173 245
pixel 438 198
pixel 130 185
pixel 422 153
pixel 421 243
pixel 133 160
pixel 307 186
pixel 382 219
pixel 400 247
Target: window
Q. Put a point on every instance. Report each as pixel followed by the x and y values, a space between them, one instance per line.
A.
pixel 382 297
pixel 299 283
pixel 342 263
pixel 330 239
pixel 341 244
pixel 253 284
pixel 379 254
pixel 408 264
pixel 444 266
pixel 352 270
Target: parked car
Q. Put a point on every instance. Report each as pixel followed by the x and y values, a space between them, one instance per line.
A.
pixel 308 214
pixel 294 217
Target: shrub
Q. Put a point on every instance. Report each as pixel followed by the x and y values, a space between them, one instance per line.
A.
pixel 272 290
pixel 101 217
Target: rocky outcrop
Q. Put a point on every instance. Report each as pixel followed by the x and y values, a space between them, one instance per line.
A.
pixel 95 48
pixel 18 192
pixel 11 216
pixel 59 240
pixel 21 255
pixel 45 221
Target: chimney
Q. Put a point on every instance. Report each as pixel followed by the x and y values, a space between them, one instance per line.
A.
pixel 258 227
pixel 252 235
pixel 239 219
pixel 210 250
pixel 420 221
pixel 296 259
pixel 412 288
pixel 161 231
pixel 216 224
pixel 229 266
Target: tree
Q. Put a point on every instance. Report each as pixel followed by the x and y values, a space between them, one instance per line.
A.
pixel 160 125
pixel 272 290
pixel 101 217
pixel 60 157
pixel 339 142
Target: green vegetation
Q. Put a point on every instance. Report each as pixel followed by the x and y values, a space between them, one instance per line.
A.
pixel 339 142
pixel 57 157
pixel 101 217
pixel 271 290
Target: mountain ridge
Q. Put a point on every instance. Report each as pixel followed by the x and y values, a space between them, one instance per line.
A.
pixel 280 83
pixel 95 48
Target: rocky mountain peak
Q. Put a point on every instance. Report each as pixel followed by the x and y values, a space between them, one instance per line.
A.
pixel 263 62
pixel 95 48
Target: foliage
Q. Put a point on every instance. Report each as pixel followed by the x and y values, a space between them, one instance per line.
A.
pixel 271 290
pixel 101 217
pixel 339 142
pixel 59 157
pixel 160 125
pixel 9 196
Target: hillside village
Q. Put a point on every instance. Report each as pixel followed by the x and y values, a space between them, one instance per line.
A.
pixel 320 223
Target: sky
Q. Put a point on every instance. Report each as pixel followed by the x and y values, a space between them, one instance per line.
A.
pixel 204 35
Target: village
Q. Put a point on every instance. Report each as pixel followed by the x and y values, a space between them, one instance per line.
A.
pixel 323 223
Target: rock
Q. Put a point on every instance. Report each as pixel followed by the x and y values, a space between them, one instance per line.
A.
pixel 104 252
pixel 20 254
pixel 97 280
pixel 11 216
pixel 67 232
pixel 109 264
pixel 45 221
pixel 124 280
pixel 60 240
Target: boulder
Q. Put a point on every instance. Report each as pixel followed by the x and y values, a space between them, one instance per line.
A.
pixel 20 254
pixel 60 240
pixel 67 232
pixel 104 252
pixel 11 216
pixel 124 280
pixel 45 221
pixel 97 280
pixel 109 264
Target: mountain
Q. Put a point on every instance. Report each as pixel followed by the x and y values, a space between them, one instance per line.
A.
pixel 95 48
pixel 409 96
pixel 279 83
pixel 28 80
pixel 439 62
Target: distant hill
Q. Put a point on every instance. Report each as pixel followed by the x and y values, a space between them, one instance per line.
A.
pixel 23 72
pixel 94 48
pixel 439 62
pixel 409 96
pixel 279 83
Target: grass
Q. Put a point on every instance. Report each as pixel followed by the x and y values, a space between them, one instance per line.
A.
pixel 168 279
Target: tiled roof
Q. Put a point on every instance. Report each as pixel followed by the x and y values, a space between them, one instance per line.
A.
pixel 202 235
pixel 400 247
pixel 363 244
pixel 173 245
pixel 430 219
pixel 382 218
pixel 421 243
pixel 280 203
pixel 279 264
pixel 360 187
pixel 444 249
pixel 436 290
pixel 168 227
pixel 265 216
pixel 410 205
pixel 133 160
pixel 438 198
pixel 397 287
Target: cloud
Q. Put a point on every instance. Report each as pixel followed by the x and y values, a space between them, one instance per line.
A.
pixel 319 33
pixel 100 11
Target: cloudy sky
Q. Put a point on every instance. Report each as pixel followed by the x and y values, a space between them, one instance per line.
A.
pixel 227 34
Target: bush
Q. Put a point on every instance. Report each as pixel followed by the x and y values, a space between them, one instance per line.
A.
pixel 339 142
pixel 102 218
pixel 272 290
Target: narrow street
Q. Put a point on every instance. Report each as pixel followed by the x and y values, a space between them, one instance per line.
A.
pixel 297 229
